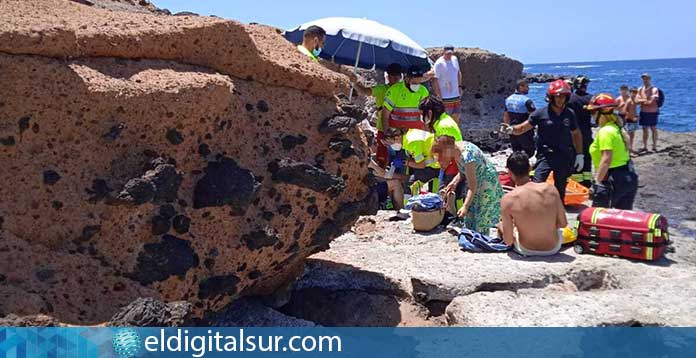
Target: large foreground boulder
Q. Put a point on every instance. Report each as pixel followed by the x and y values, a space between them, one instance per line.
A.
pixel 179 158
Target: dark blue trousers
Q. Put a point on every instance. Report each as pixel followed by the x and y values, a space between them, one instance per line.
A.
pixel 619 190
pixel 559 164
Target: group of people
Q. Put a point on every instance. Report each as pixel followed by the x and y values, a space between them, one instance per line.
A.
pixel 648 98
pixel 419 140
pixel 563 144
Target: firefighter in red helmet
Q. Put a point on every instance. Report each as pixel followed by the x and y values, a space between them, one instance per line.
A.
pixel 558 140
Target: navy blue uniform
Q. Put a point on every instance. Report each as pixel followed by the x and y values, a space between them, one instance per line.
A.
pixel 554 144
pixel 584 117
pixel 519 106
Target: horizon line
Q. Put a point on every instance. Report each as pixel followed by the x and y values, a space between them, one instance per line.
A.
pixel 598 61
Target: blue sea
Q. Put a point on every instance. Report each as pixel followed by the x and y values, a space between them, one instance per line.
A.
pixel 676 77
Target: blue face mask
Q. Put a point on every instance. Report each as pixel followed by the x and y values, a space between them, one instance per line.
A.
pixel 316 51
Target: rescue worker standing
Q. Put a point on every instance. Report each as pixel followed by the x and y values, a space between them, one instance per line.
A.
pixel 379 92
pixel 518 107
pixel 312 42
pixel 616 182
pixel 393 75
pixel 558 138
pixel 402 101
pixel 577 103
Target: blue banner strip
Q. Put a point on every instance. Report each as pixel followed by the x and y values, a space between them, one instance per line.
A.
pixel 128 342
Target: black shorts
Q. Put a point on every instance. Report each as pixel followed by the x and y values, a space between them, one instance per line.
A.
pixel 382 190
pixel 424 175
pixel 648 119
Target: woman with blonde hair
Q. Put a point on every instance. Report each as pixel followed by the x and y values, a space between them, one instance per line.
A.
pixel 615 180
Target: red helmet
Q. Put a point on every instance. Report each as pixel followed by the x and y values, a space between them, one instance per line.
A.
pixel 601 101
pixel 557 88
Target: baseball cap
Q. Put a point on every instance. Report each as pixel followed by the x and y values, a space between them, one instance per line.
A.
pixel 394 69
pixel 449 48
pixel 645 75
pixel 414 71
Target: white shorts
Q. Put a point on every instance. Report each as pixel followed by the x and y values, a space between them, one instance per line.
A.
pixel 526 252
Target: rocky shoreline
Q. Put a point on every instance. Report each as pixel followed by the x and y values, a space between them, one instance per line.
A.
pixel 545 77
pixel 381 273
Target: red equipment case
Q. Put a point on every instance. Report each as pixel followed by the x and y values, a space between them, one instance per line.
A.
pixel 624 233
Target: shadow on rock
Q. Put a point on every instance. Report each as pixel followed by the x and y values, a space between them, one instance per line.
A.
pixel 559 257
pixel 339 295
pixel 344 308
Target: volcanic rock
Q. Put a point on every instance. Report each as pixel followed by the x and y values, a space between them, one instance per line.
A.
pixel 149 312
pixel 91 95
pixel 545 77
pixel 12 320
pixel 307 176
pixel 250 313
pixel 338 124
pixel 225 183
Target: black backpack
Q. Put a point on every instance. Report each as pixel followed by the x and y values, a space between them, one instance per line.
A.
pixel 660 97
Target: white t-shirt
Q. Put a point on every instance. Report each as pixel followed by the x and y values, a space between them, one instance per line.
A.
pixel 447 74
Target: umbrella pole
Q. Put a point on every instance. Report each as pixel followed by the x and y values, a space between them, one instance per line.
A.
pixel 355 70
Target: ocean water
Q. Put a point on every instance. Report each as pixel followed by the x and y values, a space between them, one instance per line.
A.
pixel 676 77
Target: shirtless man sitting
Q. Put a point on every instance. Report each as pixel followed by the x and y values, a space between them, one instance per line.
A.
pixel 532 213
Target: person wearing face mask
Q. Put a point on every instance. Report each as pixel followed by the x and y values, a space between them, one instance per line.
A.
pixel 379 92
pixel 438 121
pixel 312 42
pixel 615 182
pixel 518 107
pixel 558 138
pixel 402 100
pixel 577 103
pixel 418 145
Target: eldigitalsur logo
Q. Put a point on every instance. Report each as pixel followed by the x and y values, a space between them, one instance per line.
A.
pixel 126 343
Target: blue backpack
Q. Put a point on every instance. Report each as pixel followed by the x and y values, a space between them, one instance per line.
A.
pixel 660 97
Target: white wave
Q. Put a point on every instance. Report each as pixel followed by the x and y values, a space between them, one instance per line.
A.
pixel 577 66
pixel 584 66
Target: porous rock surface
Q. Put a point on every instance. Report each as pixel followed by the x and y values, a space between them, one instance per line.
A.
pixel 505 289
pixel 384 274
pixel 141 6
pixel 147 156
pixel 149 312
